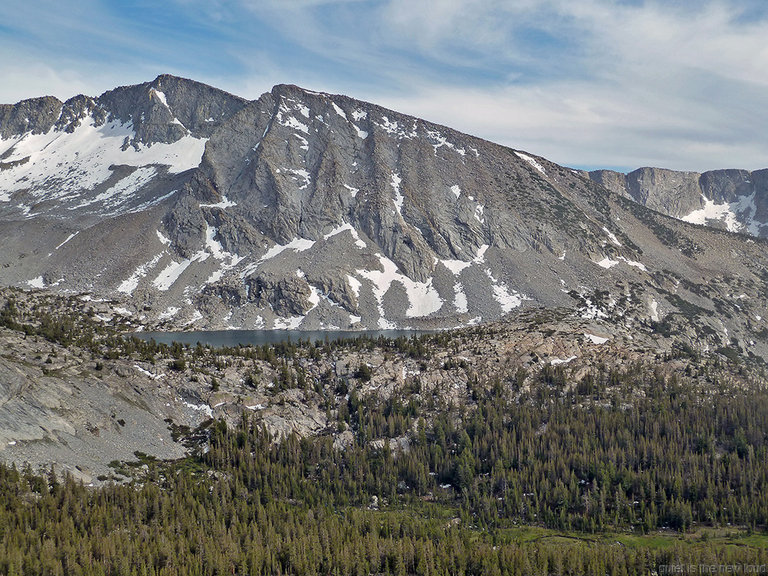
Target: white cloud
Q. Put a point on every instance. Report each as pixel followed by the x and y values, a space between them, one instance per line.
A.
pixel 575 124
pixel 30 78
pixel 647 84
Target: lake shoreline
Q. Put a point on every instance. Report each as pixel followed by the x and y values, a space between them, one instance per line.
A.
pixel 219 338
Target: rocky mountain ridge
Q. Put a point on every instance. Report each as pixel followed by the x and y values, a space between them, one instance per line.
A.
pixel 733 200
pixel 190 207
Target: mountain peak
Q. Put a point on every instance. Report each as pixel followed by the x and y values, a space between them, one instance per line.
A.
pixel 193 207
pixel 730 199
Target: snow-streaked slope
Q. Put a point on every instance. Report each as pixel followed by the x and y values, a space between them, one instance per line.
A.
pixel 83 158
pixel 738 216
pixel 730 199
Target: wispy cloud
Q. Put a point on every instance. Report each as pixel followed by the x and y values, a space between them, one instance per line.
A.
pixel 646 84
pixel 572 124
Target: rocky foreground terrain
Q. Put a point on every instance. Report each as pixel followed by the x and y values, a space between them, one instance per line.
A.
pixel 75 394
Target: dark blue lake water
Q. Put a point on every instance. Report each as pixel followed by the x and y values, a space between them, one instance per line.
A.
pixel 218 338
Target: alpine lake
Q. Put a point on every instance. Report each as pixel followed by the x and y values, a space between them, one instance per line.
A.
pixel 234 338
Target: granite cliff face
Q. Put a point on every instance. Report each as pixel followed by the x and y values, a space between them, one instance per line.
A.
pixel 733 200
pixel 195 208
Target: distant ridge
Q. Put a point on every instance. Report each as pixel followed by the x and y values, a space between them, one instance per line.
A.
pixel 733 200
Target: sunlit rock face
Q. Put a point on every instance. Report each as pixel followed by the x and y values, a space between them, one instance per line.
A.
pixel 193 208
pixel 733 200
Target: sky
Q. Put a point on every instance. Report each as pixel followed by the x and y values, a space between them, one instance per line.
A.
pixel 619 84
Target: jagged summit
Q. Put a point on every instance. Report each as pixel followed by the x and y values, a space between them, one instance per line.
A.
pixel 34 115
pixel 168 108
pixel 197 208
pixel 733 200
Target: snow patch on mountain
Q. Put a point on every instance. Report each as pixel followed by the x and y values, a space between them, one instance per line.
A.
pixel 170 274
pixel 196 315
pixel 532 161
pixel 479 209
pixel 480 257
pixel 507 298
pixel 339 111
pixel 393 128
pixel 38 282
pixel 58 163
pixel 456 266
pixel 346 227
pixel 144 205
pixel 395 183
pixel 654 309
pixel 122 191
pixel 290 323
pixel 297 245
pixel 714 211
pixel 304 142
pixel 422 297
pixel 163 239
pixel 355 285
pixel 129 285
pixel 300 173
pixel 160 96
pixel 607 263
pixel 634 263
pixel 228 260
pixel 388 125
pixel 352 190
pixel 314 296
pixel 595 339
pixel 438 141
pixel 460 299
pixel 591 311
pixel 285 118
pixel 737 216
pixel 612 237
pixel 170 312
pixel 68 238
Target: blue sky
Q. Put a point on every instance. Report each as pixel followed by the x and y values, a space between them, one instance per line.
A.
pixel 620 84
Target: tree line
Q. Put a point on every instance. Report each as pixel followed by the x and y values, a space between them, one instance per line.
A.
pixel 450 503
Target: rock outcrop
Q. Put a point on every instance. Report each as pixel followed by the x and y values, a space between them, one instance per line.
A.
pixel 733 200
pixel 82 407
